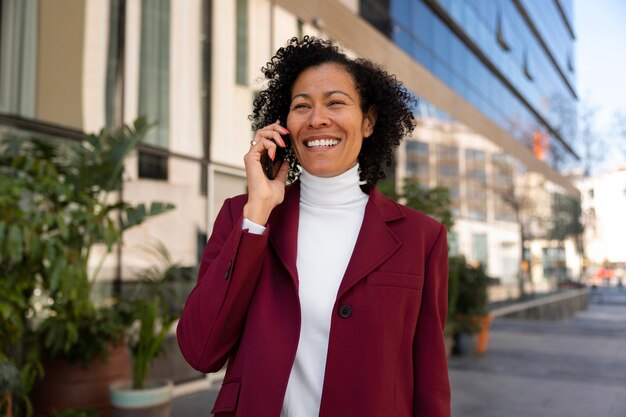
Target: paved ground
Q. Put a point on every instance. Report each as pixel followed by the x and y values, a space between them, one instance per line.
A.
pixel 548 369
pixel 575 368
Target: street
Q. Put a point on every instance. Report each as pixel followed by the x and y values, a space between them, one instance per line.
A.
pixel 573 368
pixel 549 369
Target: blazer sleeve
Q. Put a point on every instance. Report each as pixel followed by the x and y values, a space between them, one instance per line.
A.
pixel 431 384
pixel 214 314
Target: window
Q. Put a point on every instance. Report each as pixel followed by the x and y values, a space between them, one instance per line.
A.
pixel 453 244
pixel 570 62
pixel 18 57
pixel 242 42
pixel 417 148
pixel 113 71
pixel 300 28
pixel 152 166
pixel 481 252
pixel 527 66
pixel 501 34
pixel 554 263
pixel 154 73
pixel 417 164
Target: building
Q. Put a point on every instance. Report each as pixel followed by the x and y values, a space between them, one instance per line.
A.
pixel 495 80
pixel 604 202
pixel 497 85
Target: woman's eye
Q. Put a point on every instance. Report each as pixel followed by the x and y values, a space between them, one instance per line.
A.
pixel 336 103
pixel 300 106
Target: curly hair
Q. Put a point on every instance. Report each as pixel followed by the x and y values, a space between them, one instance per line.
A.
pixel 378 90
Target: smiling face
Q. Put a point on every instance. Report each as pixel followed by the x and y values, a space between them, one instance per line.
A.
pixel 325 120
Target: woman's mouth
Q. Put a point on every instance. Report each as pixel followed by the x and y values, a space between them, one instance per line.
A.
pixel 321 143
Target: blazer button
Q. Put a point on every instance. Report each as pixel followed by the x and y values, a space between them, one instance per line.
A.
pixel 345 311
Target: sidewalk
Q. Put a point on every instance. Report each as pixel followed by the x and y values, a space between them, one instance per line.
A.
pixel 574 368
pixel 547 369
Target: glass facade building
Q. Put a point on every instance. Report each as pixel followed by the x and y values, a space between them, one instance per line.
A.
pixel 511 59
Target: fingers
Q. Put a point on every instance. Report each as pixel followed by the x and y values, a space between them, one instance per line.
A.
pixel 276 129
pixel 259 145
pixel 270 135
pixel 267 138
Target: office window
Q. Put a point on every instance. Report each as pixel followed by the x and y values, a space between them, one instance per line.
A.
pixel 481 250
pixel 475 177
pixel 153 166
pixel 417 164
pixel 242 42
pixel 502 33
pixel 18 56
pixel 113 74
pixel 570 62
pixel 554 263
pixel 448 174
pixel 300 28
pixel 528 70
pixel 154 70
pixel 453 244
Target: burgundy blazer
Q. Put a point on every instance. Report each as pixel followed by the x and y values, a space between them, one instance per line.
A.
pixel 386 355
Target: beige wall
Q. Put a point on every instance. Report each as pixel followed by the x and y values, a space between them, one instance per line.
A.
pixel 60 62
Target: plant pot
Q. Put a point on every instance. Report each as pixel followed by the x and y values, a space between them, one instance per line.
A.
pixel 464 344
pixel 71 385
pixel 153 401
pixel 7 402
pixel 482 336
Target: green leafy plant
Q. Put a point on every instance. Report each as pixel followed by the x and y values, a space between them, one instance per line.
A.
pixel 10 384
pixel 434 202
pixel 58 201
pixel 152 312
pixel 472 299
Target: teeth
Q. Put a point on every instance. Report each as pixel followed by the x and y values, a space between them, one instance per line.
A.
pixel 322 142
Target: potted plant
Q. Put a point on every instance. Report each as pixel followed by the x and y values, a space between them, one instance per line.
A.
pixel 9 384
pixel 57 203
pixel 472 307
pixel 453 296
pixel 153 317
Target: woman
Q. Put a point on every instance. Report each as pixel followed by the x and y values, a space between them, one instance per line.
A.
pixel 325 297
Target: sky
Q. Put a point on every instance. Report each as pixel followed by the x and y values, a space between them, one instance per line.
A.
pixel 600 27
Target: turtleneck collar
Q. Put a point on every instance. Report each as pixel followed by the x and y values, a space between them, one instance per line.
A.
pixel 332 191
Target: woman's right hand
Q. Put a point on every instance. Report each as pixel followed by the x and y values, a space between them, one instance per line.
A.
pixel 264 194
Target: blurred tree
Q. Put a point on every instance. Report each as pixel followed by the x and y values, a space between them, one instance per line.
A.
pixel 518 200
pixel 591 142
pixel 434 202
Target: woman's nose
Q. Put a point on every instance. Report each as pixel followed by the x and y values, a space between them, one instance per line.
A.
pixel 319 117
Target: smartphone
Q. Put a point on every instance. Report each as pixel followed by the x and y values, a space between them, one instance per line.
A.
pixel 271 167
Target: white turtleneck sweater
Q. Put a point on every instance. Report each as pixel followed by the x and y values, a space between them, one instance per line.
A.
pixel 331 213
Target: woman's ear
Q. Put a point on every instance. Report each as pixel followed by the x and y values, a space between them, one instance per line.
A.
pixel 369 121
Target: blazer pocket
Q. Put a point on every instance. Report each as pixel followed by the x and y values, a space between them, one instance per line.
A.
pixel 227 398
pixel 393 279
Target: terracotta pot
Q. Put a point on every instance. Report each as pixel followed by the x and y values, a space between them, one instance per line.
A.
pixel 68 385
pixel 153 401
pixel 482 336
pixel 8 403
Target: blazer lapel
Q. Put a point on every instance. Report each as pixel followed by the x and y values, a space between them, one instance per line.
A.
pixel 283 225
pixel 375 243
